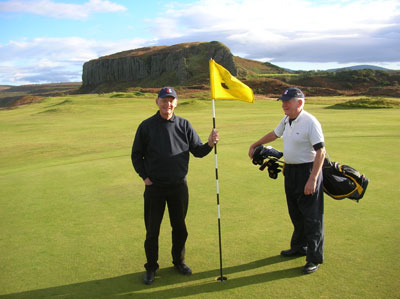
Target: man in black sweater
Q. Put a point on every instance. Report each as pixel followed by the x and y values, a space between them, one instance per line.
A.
pixel 160 155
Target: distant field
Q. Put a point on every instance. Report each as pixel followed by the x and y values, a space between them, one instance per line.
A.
pixel 17 95
pixel 71 207
pixel 284 75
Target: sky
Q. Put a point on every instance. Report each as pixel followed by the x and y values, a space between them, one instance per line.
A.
pixel 48 41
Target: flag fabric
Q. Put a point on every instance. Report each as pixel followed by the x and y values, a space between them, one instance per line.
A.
pixel 224 86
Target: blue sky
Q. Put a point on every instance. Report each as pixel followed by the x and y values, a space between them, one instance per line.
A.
pixel 44 41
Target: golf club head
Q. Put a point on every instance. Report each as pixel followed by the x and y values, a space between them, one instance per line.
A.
pixel 262 152
pixel 258 158
pixel 271 152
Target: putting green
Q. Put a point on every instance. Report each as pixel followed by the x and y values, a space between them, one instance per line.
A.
pixel 71 207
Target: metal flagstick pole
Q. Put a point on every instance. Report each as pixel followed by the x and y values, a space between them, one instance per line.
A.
pixel 221 277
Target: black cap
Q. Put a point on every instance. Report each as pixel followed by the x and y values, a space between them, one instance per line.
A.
pixel 167 92
pixel 291 92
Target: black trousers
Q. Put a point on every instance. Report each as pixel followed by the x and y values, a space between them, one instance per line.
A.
pixel 155 199
pixel 306 212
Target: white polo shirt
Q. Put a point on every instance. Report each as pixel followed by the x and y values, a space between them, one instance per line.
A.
pixel 299 138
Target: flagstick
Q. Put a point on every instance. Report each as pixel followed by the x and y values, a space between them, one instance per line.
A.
pixel 221 278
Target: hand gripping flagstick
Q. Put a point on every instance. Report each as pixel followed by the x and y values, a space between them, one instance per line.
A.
pixel 224 87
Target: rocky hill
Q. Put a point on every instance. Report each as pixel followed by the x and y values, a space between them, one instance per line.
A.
pixel 181 64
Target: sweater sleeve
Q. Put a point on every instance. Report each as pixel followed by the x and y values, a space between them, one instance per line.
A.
pixel 138 153
pixel 196 147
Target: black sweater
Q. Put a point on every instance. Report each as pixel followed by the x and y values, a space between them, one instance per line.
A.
pixel 161 149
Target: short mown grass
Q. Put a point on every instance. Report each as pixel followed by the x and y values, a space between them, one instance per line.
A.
pixel 71 206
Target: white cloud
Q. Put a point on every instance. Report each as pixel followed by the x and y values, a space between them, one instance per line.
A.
pixel 50 8
pixel 293 30
pixel 284 32
pixel 43 60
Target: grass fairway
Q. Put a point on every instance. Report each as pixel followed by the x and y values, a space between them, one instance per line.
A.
pixel 71 206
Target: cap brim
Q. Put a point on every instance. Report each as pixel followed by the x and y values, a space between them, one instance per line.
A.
pixel 284 98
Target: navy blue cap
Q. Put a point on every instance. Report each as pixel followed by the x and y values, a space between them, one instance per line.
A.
pixel 291 92
pixel 167 92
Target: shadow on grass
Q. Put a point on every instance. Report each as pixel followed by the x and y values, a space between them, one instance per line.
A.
pixel 132 285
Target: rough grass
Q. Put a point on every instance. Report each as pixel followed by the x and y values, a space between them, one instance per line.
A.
pixel 135 94
pixel 71 207
pixel 367 103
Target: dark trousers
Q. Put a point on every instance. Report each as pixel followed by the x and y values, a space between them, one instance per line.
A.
pixel 155 198
pixel 306 212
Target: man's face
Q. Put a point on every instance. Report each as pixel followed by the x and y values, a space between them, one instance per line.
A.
pixel 292 107
pixel 167 106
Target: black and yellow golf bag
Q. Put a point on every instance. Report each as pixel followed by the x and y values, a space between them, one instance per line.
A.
pixel 339 181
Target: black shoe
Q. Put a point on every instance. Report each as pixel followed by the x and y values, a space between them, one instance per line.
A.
pixel 149 277
pixel 183 269
pixel 292 253
pixel 310 268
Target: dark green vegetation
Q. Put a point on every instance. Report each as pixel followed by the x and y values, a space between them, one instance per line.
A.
pixel 367 80
pixel 367 103
pixel 322 83
pixel 71 206
pixel 135 94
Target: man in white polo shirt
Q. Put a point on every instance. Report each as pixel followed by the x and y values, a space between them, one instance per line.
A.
pixel 304 154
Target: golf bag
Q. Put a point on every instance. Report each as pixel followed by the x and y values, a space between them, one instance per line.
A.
pixel 341 181
pixel 261 153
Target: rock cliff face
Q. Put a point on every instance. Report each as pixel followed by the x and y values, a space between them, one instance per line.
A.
pixel 180 64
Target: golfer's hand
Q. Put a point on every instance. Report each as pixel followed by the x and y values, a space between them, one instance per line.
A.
pixel 147 182
pixel 213 138
pixel 310 186
pixel 251 151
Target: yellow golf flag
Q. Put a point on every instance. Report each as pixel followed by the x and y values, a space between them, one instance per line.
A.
pixel 224 86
